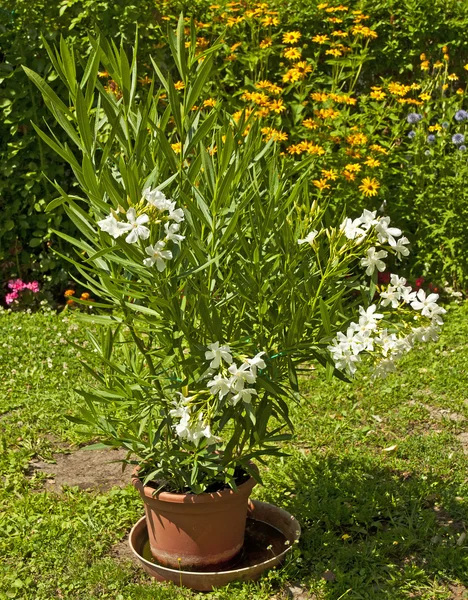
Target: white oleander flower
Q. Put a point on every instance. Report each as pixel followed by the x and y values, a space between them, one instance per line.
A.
pixel 176 214
pixel 310 237
pixel 434 313
pixel 391 295
pixel 385 233
pixel 171 230
pixel 344 358
pixel 216 353
pixel 427 334
pixel 157 199
pixel 425 304
pixel 244 395
pixel 386 341
pixel 257 362
pixel 352 229
pixel 136 227
pixel 157 255
pixel 353 341
pixel 111 226
pixel 400 247
pixel 240 376
pixel 368 219
pixel 219 385
pixel 374 261
pixel 369 318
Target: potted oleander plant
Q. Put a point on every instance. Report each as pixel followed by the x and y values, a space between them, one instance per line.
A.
pixel 216 272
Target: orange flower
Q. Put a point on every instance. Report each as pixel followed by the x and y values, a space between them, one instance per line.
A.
pixel 378 94
pixel 319 96
pixel 330 174
pixel 398 88
pixel 268 21
pixel 372 162
pixel 69 293
pixel 327 113
pixel 310 124
pixel 277 106
pixel 353 167
pixel 270 133
pixel 177 147
pixel 85 296
pixel 377 148
pixel 364 31
pixel 357 139
pixel 179 85
pixel 321 184
pixel 209 102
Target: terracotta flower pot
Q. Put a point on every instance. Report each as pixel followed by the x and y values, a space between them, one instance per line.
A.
pixel 195 530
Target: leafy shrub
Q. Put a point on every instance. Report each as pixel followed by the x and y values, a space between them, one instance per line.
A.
pixel 404 30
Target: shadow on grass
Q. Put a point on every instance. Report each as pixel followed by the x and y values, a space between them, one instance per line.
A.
pixel 375 532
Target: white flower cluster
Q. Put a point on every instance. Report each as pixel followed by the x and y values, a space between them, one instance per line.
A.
pixel 360 227
pixel 234 386
pixel 367 336
pixel 188 428
pixel 135 228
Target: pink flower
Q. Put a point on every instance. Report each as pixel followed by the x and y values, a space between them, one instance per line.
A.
pixel 10 298
pixel 16 285
pixel 33 286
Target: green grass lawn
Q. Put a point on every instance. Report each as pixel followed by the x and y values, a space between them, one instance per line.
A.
pixel 377 476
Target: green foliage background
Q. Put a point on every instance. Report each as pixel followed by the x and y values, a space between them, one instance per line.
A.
pixel 406 28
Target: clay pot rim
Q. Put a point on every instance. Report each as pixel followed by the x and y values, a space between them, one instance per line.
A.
pixel 190 498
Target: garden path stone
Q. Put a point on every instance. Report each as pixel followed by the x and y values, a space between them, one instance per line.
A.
pixel 463 439
pixel 438 413
pixel 87 469
pixel 458 592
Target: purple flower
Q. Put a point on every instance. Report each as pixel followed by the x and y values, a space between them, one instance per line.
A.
pixel 462 148
pixel 413 118
pixel 411 134
pixel 431 138
pixel 461 115
pixel 445 125
pixel 458 139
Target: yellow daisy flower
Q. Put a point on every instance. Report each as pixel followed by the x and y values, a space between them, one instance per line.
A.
pixel 369 186
pixel 321 184
pixel 320 39
pixel 292 53
pixel 291 37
